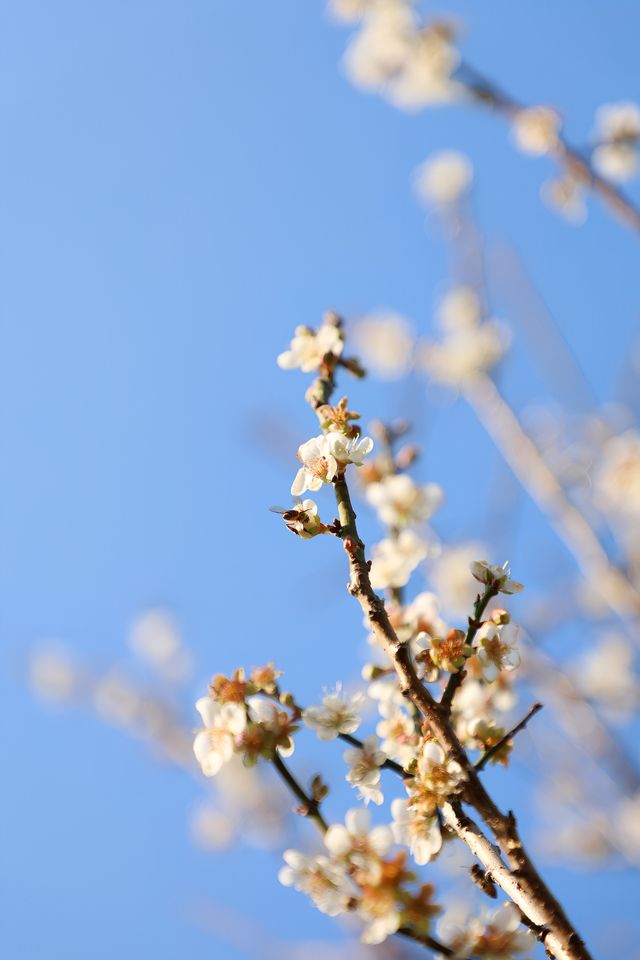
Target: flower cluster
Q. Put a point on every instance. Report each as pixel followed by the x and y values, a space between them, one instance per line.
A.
pixel 617 136
pixel 491 936
pixel 242 715
pixel 324 457
pixel 358 876
pixel 310 348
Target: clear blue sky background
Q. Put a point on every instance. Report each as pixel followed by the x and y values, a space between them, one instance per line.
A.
pixel 182 183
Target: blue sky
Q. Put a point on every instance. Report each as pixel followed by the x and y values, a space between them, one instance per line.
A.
pixel 183 183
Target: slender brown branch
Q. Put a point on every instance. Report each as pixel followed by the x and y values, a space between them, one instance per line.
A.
pixel 310 808
pixel 492 751
pixel 517 876
pixel 455 680
pixel 576 164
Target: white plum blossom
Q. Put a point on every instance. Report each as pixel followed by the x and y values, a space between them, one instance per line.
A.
pixel 417 830
pixel 378 909
pixel 400 501
pixel 359 843
pixel 422 616
pixel 274 720
pixel 52 673
pixel 397 733
pixel 324 456
pixel 475 704
pixel 326 882
pixel 606 674
pixel 408 63
pixel 394 560
pixel 616 479
pixel 490 936
pixel 566 196
pixel 536 130
pixel 496 648
pixel 309 347
pixel 443 178
pixel 438 776
pixel 302 519
pixel 155 637
pixel 385 341
pixel 224 724
pixel 617 134
pixel 364 764
pixel 338 713
pixel 464 353
pixel 459 309
pixel 499 577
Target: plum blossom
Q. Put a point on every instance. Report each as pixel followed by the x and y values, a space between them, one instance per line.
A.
pixel 326 882
pixel 397 733
pixel 365 763
pixel 339 713
pixel 490 936
pixel 385 341
pixel 447 652
pixel 359 844
pixel 616 479
pixel 224 724
pixel 606 674
pixel 566 196
pixel 437 778
pixel 496 648
pixel 468 347
pixel 617 136
pixel 303 520
pixel 274 725
pixel 417 830
pixel 499 577
pixel 309 347
pixel 394 560
pixel 400 501
pixel 536 130
pixel 444 177
pixel 410 65
pixel 324 456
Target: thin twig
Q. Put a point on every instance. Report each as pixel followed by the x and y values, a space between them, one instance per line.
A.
pixel 577 165
pixel 310 807
pixel 455 680
pixel 491 752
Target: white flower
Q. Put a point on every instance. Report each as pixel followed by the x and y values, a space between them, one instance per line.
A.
pixel 618 121
pixel 309 348
pixel 492 936
pixel 607 674
pixel 400 501
pixel 273 720
pixel 397 733
pixel 351 10
pixel 439 776
pixel 155 638
pixel 616 161
pixel 302 519
pixel 323 456
pixel 475 704
pixel 465 353
pixel 385 342
pixel 224 724
pixel 381 47
pixel 426 76
pixel 616 477
pixel 535 130
pixel 417 830
pixel 364 769
pixel 499 577
pixel 566 196
pixel 339 713
pixel 325 881
pixel 318 465
pixel 52 673
pixel 422 616
pixel 459 310
pixel 444 177
pixel 359 843
pixel 496 648
pixel 379 911
pixel 395 560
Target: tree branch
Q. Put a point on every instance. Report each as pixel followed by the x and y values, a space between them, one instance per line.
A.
pixel 491 752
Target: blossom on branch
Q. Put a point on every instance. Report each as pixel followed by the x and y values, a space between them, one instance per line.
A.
pixel 309 347
pixel 326 882
pixel 339 713
pixel 417 830
pixel 224 724
pixel 364 769
pixel 498 577
pixel 325 456
pixel 394 560
pixel 400 501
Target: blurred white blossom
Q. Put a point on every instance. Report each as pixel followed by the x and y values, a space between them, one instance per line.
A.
pixel 385 342
pixel 394 560
pixel 536 130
